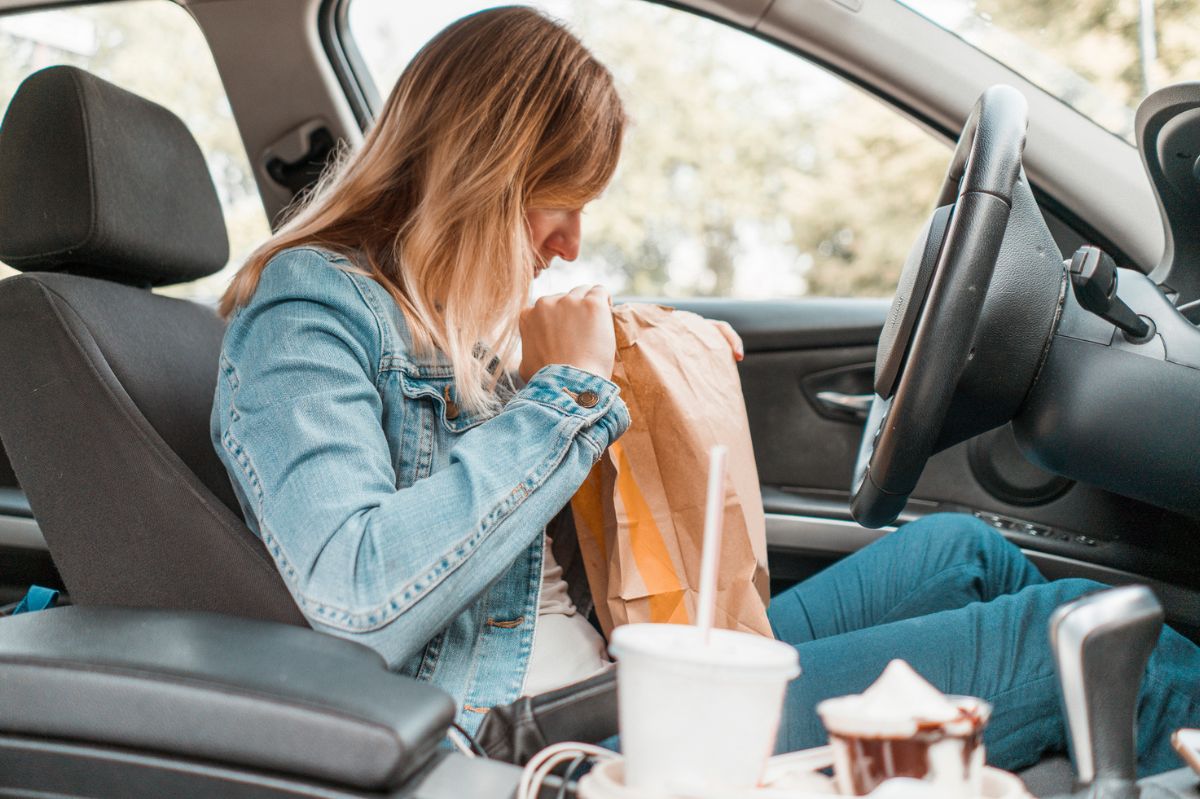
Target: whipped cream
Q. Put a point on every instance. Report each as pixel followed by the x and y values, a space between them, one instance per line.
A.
pixel 899 705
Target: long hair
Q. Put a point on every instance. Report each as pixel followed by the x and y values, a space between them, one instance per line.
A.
pixel 502 111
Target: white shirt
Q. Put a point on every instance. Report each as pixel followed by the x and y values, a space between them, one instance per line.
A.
pixel 566 647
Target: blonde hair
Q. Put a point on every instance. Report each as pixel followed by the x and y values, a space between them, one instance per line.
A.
pixel 502 111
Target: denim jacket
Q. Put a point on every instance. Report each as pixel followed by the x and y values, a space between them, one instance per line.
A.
pixel 396 518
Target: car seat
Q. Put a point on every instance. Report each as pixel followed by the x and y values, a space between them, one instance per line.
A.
pixel 107 388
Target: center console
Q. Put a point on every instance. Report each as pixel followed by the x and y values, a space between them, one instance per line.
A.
pixel 98 701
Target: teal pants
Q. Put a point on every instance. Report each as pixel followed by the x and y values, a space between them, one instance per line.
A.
pixel 966 609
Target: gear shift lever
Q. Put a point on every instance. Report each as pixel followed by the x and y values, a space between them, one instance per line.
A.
pixel 1101 644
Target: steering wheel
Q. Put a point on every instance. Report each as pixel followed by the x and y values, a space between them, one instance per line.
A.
pixel 929 336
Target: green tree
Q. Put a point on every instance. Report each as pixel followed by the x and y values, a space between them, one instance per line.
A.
pixel 1097 41
pixel 738 148
pixel 875 186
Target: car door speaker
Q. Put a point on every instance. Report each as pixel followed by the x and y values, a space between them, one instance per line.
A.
pixel 1005 473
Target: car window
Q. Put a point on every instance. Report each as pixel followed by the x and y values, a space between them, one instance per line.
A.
pixel 155 49
pixel 1099 57
pixel 748 172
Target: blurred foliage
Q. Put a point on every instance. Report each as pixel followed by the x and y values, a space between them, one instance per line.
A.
pixel 1085 52
pixel 152 48
pixel 747 171
pixel 1099 39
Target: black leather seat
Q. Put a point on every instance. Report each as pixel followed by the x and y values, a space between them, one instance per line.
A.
pixel 107 387
pixel 294 705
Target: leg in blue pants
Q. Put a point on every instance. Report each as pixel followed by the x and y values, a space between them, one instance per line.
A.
pixel 966 609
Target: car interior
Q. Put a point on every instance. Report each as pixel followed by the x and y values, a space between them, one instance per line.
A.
pixel 1054 404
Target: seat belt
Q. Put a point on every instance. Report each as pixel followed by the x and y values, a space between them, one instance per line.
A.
pixel 37 598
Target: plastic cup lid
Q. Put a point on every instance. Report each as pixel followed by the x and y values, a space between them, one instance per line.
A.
pixel 683 644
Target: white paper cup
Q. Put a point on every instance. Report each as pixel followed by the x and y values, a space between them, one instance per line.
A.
pixel 698 719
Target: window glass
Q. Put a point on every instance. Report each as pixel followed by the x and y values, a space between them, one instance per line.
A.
pixel 1098 56
pixel 154 49
pixel 748 172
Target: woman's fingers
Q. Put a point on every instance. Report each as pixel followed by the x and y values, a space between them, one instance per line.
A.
pixel 575 328
pixel 735 341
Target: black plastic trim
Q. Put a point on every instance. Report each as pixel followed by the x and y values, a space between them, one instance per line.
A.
pixel 36 767
pixel 1051 206
pixel 333 25
pixel 14 503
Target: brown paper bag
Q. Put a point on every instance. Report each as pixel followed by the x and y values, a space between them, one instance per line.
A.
pixel 640 513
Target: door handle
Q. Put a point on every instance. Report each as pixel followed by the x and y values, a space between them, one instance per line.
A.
pixel 858 405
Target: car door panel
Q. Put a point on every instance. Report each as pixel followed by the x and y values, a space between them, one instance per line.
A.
pixel 788 342
pixel 805 457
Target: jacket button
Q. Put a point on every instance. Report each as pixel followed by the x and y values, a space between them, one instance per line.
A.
pixel 587 399
pixel 451 405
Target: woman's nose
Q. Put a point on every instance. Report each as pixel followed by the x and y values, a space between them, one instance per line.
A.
pixel 563 241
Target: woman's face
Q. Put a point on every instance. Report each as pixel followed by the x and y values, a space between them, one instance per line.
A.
pixel 554 232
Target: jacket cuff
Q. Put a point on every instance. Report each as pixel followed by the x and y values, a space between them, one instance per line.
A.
pixel 575 392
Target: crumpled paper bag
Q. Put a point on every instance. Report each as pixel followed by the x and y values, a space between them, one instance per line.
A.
pixel 639 514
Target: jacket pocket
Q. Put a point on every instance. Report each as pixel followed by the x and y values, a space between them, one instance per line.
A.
pixel 439 391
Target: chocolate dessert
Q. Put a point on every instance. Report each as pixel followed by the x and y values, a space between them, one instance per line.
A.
pixel 904 727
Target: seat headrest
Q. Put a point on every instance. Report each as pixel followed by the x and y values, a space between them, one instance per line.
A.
pixel 97 181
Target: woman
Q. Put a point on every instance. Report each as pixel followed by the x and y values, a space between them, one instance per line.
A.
pixel 403 483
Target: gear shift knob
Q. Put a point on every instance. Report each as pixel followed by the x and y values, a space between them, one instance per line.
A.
pixel 1101 643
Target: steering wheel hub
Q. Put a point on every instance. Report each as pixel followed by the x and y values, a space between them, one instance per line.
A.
pixel 908 302
pixel 930 333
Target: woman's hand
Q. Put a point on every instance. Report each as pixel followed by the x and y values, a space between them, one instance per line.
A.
pixel 575 328
pixel 735 341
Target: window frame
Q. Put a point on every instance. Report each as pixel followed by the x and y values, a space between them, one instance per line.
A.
pixel 333 27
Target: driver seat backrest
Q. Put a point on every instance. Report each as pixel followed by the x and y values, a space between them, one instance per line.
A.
pixel 107 388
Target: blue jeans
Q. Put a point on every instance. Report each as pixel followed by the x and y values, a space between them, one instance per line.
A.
pixel 970 613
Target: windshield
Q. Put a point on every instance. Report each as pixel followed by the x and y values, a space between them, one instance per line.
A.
pixel 1097 56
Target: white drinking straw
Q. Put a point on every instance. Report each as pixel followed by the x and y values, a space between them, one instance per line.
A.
pixel 714 517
